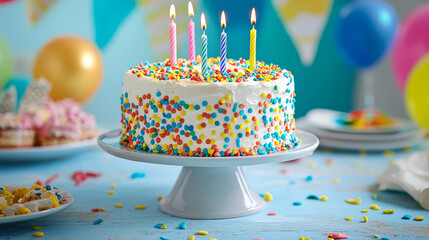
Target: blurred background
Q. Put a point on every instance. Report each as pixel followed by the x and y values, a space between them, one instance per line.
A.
pixel 299 35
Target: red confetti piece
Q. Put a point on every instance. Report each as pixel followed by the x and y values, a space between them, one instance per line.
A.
pixel 48 182
pixel 80 176
pixel 272 214
pixel 338 236
pixel 95 209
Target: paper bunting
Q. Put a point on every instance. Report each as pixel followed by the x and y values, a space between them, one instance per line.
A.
pixel 37 8
pixel 8 100
pixel 156 16
pixel 305 21
pixel 36 94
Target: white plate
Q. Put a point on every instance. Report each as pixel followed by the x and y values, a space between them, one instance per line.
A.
pixel 110 143
pixel 36 154
pixel 44 213
pixel 370 137
pixel 328 119
pixel 372 146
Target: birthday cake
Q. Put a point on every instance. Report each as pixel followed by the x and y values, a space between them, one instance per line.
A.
pixel 176 110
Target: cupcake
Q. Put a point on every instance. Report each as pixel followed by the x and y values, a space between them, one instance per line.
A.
pixel 16 131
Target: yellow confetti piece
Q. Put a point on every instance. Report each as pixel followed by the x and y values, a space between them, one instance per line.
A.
pixel 102 209
pixel 301 238
pixel 324 198
pixel 388 153
pixel 110 192
pixel 374 207
pixel 36 228
pixel 113 185
pixel 365 218
pixel 327 150
pixel 118 205
pixel 348 218
pixel 312 164
pixel 331 239
pixel 268 197
pixel 163 226
pixel 353 201
pixel 39 234
pixel 407 149
pixel 419 218
pixel 364 210
pixel 336 180
pixel 202 232
pixel 192 237
pixel 212 239
pixel 160 196
pixel 388 211
pixel 140 207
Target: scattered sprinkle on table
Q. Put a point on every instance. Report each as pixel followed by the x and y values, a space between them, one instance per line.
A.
pixel 419 218
pixel 202 232
pixel 272 214
pixel 284 170
pixel 212 239
pixel 353 201
pixel 119 205
pixel 268 197
pixel 297 203
pixel 362 153
pixel 192 237
pixel 388 211
pixel 374 207
pixel 138 175
pixel 95 209
pixel 309 178
pixel 140 207
pixel 364 210
pixel 348 218
pixel 314 197
pixel 36 228
pixel 312 164
pixel 114 185
pixel 324 198
pixel 39 234
pixel 388 153
pixel 163 238
pixel 98 221
pixel 336 180
pixel 182 225
pixel 110 192
pixel 374 196
pixel 406 217
pixel 375 236
pixel 329 161
pixel 161 226
pixel 160 197
pixel 102 209
pixel 385 238
pixel 338 236
pixel 365 218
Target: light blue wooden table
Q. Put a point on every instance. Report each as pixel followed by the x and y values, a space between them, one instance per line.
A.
pixel 314 219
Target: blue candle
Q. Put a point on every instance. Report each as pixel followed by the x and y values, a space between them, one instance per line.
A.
pixel 223 45
pixel 204 66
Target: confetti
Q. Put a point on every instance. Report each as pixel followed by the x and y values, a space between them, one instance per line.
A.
pixel 374 207
pixel 419 218
pixel 119 205
pixel 110 192
pixel 160 197
pixel 388 153
pixel 160 226
pixel 314 197
pixel 113 185
pixel 268 197
pixel 324 198
pixel 348 218
pixel 374 196
pixel 284 170
pixel 388 211
pixel 365 218
pixel 375 236
pixel 330 161
pixel 202 232
pixel 272 214
pixel 309 178
pixel 95 209
pixel 182 225
pixel 336 180
pixel 364 210
pixel 192 237
pixel 312 164
pixel 385 238
pixel 102 209
pixel 353 201
pixel 140 207
pixel 36 228
pixel 406 217
pixel 163 238
pixel 338 236
pixel 297 203
pixel 39 234
pixel 138 175
pixel 98 221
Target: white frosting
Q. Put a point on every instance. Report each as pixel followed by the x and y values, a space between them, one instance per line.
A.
pixel 248 93
pixel 410 174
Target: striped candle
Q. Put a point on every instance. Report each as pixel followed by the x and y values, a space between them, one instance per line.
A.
pixel 223 45
pixel 204 66
pixel 252 58
pixel 173 41
pixel 191 30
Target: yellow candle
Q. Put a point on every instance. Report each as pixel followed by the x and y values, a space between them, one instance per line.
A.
pixel 252 58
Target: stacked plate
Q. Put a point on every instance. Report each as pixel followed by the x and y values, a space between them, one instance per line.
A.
pixel 326 125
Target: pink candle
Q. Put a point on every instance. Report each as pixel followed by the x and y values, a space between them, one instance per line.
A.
pixel 191 29
pixel 173 45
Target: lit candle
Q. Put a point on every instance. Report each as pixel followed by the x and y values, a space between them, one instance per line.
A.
pixel 223 44
pixel 173 45
pixel 204 66
pixel 191 29
pixel 252 58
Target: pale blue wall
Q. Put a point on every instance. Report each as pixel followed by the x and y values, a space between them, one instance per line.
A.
pixel 327 83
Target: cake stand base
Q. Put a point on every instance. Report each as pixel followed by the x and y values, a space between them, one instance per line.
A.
pixel 211 193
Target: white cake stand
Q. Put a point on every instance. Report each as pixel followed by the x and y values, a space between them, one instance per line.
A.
pixel 210 187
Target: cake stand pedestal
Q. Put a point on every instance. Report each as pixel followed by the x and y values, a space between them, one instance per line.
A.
pixel 210 187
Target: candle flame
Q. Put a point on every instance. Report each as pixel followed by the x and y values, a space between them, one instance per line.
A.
pixel 223 20
pixel 203 21
pixel 253 16
pixel 190 9
pixel 172 11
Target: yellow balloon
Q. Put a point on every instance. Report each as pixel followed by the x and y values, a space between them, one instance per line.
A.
pixel 417 93
pixel 73 65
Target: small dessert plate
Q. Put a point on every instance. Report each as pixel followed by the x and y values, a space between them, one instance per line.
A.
pixel 37 154
pixel 40 214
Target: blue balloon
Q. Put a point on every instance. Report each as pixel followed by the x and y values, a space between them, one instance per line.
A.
pixel 365 31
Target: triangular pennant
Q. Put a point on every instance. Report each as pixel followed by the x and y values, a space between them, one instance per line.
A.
pixel 36 94
pixel 37 8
